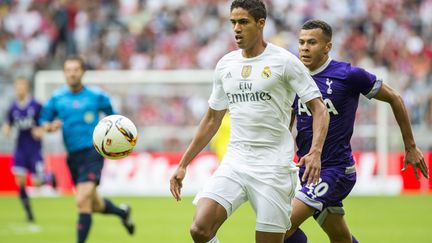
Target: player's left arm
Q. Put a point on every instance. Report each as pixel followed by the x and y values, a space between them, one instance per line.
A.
pixel 413 155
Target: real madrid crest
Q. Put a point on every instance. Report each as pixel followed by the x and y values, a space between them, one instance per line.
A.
pixel 266 73
pixel 246 71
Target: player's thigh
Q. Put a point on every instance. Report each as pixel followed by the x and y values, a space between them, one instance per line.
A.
pixel 267 237
pixel 209 216
pixel 20 167
pixel 225 187
pixel 270 194
pixel 86 166
pixel 301 211
pixel 222 191
pixel 336 227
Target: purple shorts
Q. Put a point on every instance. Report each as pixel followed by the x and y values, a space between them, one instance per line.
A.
pixel 28 161
pixel 334 185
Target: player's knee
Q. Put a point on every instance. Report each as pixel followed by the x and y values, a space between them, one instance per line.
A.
pixel 83 202
pixel 20 180
pixel 97 206
pixel 200 233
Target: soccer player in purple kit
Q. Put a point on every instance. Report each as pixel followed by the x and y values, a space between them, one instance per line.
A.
pixel 341 85
pixel 24 114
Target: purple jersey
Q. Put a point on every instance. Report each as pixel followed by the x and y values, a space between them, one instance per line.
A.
pixel 24 118
pixel 341 85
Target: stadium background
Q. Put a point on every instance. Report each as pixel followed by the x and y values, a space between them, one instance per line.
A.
pixel 391 37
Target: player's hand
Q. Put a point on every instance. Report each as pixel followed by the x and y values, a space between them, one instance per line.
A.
pixel 312 162
pixel 53 126
pixel 176 182
pixel 7 130
pixel 416 159
pixel 37 132
pixel 56 125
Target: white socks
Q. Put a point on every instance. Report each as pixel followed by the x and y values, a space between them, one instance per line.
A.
pixel 214 240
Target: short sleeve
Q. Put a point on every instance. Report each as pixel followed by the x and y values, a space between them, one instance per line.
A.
pixel 105 104
pixel 364 82
pixel 301 81
pixel 48 112
pixel 218 99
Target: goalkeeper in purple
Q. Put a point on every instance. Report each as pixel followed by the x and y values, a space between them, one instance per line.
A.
pixel 341 85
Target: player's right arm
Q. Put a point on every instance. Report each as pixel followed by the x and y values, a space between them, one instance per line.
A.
pixel 206 130
pixel 308 93
pixel 6 129
pixel 312 160
pixel 7 126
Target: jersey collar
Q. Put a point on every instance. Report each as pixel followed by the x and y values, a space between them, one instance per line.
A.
pixel 320 69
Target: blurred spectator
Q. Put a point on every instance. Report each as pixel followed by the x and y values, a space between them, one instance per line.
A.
pixel 394 35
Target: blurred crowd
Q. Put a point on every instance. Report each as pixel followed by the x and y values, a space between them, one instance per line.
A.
pixel 390 35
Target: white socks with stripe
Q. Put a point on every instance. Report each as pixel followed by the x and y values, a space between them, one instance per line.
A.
pixel 214 240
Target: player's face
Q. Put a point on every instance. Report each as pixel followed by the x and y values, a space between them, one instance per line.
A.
pixel 21 89
pixel 313 48
pixel 248 32
pixel 73 73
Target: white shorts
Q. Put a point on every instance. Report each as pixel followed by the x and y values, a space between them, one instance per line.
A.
pixel 269 189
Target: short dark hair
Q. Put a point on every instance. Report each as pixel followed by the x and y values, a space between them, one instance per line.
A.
pixel 78 59
pixel 256 8
pixel 319 24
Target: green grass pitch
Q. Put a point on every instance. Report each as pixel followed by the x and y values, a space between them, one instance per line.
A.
pixel 372 220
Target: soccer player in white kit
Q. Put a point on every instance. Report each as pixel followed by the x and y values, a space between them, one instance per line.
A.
pixel 257 84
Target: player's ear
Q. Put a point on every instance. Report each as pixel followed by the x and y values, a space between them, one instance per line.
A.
pixel 261 23
pixel 328 47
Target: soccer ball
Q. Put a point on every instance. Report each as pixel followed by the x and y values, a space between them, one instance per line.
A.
pixel 114 137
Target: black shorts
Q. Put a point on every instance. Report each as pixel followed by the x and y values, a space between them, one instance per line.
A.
pixel 85 165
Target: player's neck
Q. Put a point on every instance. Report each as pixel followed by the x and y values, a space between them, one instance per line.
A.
pixel 23 100
pixel 322 62
pixel 254 51
pixel 76 88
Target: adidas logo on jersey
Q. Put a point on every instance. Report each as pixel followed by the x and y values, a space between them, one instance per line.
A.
pixel 228 75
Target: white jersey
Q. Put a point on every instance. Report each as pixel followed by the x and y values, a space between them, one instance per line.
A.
pixel 259 92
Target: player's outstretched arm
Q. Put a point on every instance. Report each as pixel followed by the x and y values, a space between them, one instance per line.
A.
pixel 413 155
pixel 312 160
pixel 206 130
